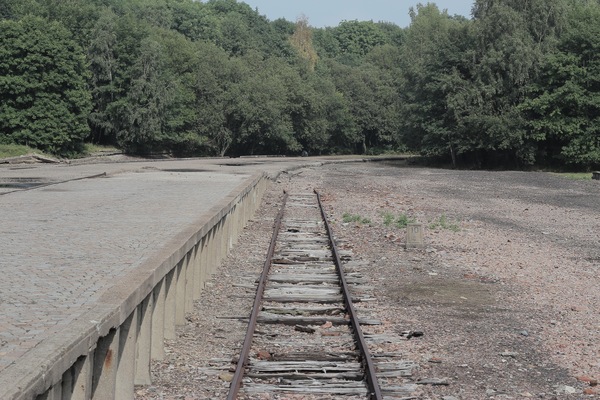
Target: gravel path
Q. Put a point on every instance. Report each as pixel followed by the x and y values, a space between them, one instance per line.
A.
pixel 506 290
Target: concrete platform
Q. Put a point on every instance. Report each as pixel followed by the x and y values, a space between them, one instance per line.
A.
pixel 84 248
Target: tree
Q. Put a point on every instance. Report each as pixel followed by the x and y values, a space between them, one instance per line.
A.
pixel 44 99
pixel 105 71
pixel 564 107
pixel 512 39
pixel 301 41
pixel 433 71
pixel 357 38
pixel 256 110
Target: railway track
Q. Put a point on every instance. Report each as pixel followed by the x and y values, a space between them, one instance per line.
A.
pixel 305 338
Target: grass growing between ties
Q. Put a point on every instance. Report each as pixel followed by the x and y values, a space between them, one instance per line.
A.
pixel 442 222
pixel 348 218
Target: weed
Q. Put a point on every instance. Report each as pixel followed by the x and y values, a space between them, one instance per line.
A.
pixel 347 218
pixel 443 223
pixel 403 220
pixel 388 218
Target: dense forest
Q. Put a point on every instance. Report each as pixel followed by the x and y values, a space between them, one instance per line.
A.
pixel 516 85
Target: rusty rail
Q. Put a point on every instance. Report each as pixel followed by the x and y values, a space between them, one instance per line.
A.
pixel 236 382
pixel 369 366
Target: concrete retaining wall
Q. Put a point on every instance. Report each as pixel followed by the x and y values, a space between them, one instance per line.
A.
pixel 108 351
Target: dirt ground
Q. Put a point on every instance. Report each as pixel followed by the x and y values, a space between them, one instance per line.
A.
pixel 506 290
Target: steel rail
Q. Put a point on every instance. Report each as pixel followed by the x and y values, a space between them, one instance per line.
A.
pixel 236 382
pixel 370 374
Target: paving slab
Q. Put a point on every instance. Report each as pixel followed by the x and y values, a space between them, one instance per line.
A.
pixel 63 246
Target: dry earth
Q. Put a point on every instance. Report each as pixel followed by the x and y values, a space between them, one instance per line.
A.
pixel 506 290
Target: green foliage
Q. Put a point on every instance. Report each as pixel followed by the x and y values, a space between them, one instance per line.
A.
pixel 442 222
pixel 564 104
pixel 15 150
pixel 388 218
pixel 349 218
pixel 402 220
pixel 516 85
pixel 44 100
pixel 399 221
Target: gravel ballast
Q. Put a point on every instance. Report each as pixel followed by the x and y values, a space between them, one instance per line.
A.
pixel 505 290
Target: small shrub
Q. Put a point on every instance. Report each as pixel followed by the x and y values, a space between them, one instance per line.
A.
pixel 403 220
pixel 388 218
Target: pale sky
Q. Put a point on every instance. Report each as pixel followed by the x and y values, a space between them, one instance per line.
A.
pixel 322 13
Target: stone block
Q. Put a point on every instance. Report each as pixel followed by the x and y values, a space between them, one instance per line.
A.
pixel 414 236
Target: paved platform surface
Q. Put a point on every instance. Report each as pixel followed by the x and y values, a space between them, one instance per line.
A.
pixel 65 243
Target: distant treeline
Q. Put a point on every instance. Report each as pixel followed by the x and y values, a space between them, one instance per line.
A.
pixel 516 85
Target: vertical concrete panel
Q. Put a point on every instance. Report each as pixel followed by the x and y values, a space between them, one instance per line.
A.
pixel 127 349
pixel 210 250
pixel 105 367
pixel 180 294
pixel 203 262
pixel 198 284
pixel 54 393
pixel 158 322
pixel 230 230
pixel 67 384
pixel 144 342
pixel 225 242
pixel 80 379
pixel 218 246
pixel 189 281
pixel 170 304
pixel 238 219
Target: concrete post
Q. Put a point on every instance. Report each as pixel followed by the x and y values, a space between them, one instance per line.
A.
pixel 210 248
pixel 218 245
pixel 78 382
pixel 226 235
pixel 414 236
pixel 180 297
pixel 67 384
pixel 204 260
pixel 198 268
pixel 127 348
pixel 170 304
pixel 189 281
pixel 239 220
pixel 105 367
pixel 158 322
pixel 144 342
pixel 54 393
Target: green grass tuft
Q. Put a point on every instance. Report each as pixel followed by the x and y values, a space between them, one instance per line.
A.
pixel 403 220
pixel 443 223
pixel 388 218
pixel 347 218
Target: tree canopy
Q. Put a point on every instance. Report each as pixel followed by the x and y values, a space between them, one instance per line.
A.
pixel 516 85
